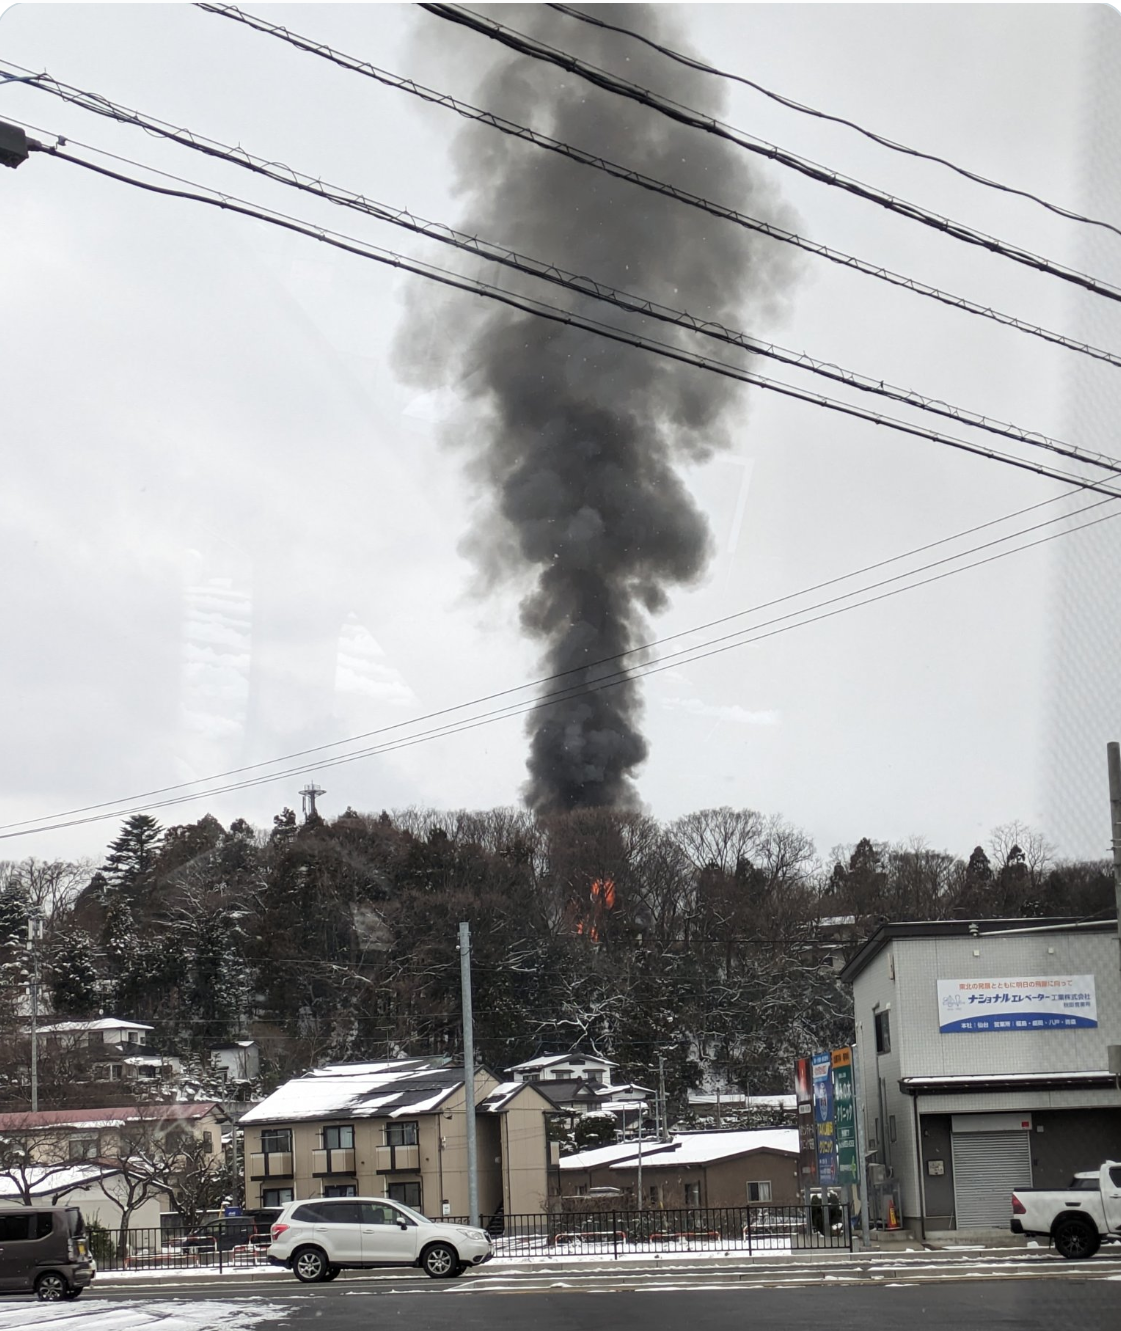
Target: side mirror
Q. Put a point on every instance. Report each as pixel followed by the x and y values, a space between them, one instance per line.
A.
pixel 402 1224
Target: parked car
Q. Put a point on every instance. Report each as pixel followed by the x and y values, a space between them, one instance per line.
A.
pixel 225 1234
pixel 1075 1219
pixel 43 1249
pixel 318 1239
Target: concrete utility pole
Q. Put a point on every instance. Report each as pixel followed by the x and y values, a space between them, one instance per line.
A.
pixel 1113 760
pixel 34 938
pixel 469 1072
pixel 663 1135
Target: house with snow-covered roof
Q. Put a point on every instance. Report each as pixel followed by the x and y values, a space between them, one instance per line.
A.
pixel 398 1129
pixel 702 1169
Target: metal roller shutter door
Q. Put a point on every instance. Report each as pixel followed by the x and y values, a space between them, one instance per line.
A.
pixel 987 1166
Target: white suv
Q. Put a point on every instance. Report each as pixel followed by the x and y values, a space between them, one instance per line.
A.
pixel 319 1238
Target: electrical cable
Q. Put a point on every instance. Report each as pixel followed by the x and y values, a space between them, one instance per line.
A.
pixel 282 174
pixel 523 132
pixel 669 662
pixel 542 310
pixel 868 568
pixel 472 722
pixel 620 87
pixel 700 66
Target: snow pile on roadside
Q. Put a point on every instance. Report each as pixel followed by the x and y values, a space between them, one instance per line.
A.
pixel 204 1315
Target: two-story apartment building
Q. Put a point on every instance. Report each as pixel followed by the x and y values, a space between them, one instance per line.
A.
pixel 398 1129
pixel 984 1065
pixel 582 1083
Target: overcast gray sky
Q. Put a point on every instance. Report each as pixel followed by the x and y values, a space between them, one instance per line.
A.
pixel 230 531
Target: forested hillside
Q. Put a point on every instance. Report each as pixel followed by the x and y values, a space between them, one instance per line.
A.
pixel 707 940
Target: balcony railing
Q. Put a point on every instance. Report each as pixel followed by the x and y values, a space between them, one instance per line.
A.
pixel 397 1159
pixel 333 1160
pixel 270 1164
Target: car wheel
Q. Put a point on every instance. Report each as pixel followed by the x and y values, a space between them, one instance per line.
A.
pixel 51 1286
pixel 440 1261
pixel 1076 1239
pixel 310 1265
pixel 332 1273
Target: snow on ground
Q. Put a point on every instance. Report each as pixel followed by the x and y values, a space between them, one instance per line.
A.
pixel 167 1316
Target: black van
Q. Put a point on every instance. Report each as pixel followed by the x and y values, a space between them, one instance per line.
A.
pixel 43 1249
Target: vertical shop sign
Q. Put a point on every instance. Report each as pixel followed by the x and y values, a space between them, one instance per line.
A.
pixel 807 1140
pixel 824 1124
pixel 844 1116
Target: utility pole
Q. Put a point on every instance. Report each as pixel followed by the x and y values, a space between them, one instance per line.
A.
pixel 1113 760
pixel 861 1149
pixel 469 1072
pixel 641 1107
pixel 34 938
pixel 664 1119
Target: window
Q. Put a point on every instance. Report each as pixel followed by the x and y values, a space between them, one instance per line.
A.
pixel 759 1190
pixel 82 1148
pixel 533 1076
pixel 276 1139
pixel 883 1032
pixel 44 1224
pixel 339 1137
pixel 276 1196
pixel 692 1194
pixel 15 1228
pixel 208 1142
pixel 409 1193
pixel 1115 1176
pixel 400 1134
pixel 340 1190
pixel 374 1214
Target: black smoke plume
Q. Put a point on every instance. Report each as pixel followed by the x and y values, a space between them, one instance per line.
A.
pixel 579 437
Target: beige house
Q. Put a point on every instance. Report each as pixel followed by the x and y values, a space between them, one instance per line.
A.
pixel 703 1169
pixel 52 1136
pixel 398 1129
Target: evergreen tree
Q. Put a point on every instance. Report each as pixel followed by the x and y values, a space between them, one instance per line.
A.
pixel 132 855
pixel 72 973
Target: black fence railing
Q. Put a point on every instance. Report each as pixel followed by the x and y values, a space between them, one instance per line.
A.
pixel 158 1250
pixel 761 1228
pixel 743 1229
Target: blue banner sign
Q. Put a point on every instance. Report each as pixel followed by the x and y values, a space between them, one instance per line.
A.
pixel 1017 1003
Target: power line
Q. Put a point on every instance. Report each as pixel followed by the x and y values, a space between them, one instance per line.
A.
pixel 585 158
pixel 283 174
pixel 612 83
pixel 551 313
pixel 471 723
pixel 691 63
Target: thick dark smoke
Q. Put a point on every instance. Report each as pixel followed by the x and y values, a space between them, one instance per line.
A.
pixel 579 437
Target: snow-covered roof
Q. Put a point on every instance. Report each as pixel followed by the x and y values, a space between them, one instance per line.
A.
pixel 45 1181
pixel 360 1090
pixel 501 1096
pixel 100 1024
pixel 687 1148
pixel 112 1117
pixel 600 1156
pixel 748 1101
pixel 547 1060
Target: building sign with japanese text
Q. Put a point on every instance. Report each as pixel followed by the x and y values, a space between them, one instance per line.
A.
pixel 822 1067
pixel 1017 1003
pixel 844 1116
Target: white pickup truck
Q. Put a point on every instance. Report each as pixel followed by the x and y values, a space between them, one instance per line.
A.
pixel 1077 1219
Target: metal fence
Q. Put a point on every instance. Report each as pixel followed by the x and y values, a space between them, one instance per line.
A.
pixel 739 1229
pixel 750 1229
pixel 158 1250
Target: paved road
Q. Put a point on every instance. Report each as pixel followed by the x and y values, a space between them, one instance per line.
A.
pixel 1042 1304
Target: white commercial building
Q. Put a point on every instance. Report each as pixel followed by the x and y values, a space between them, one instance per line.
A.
pixel 983 1048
